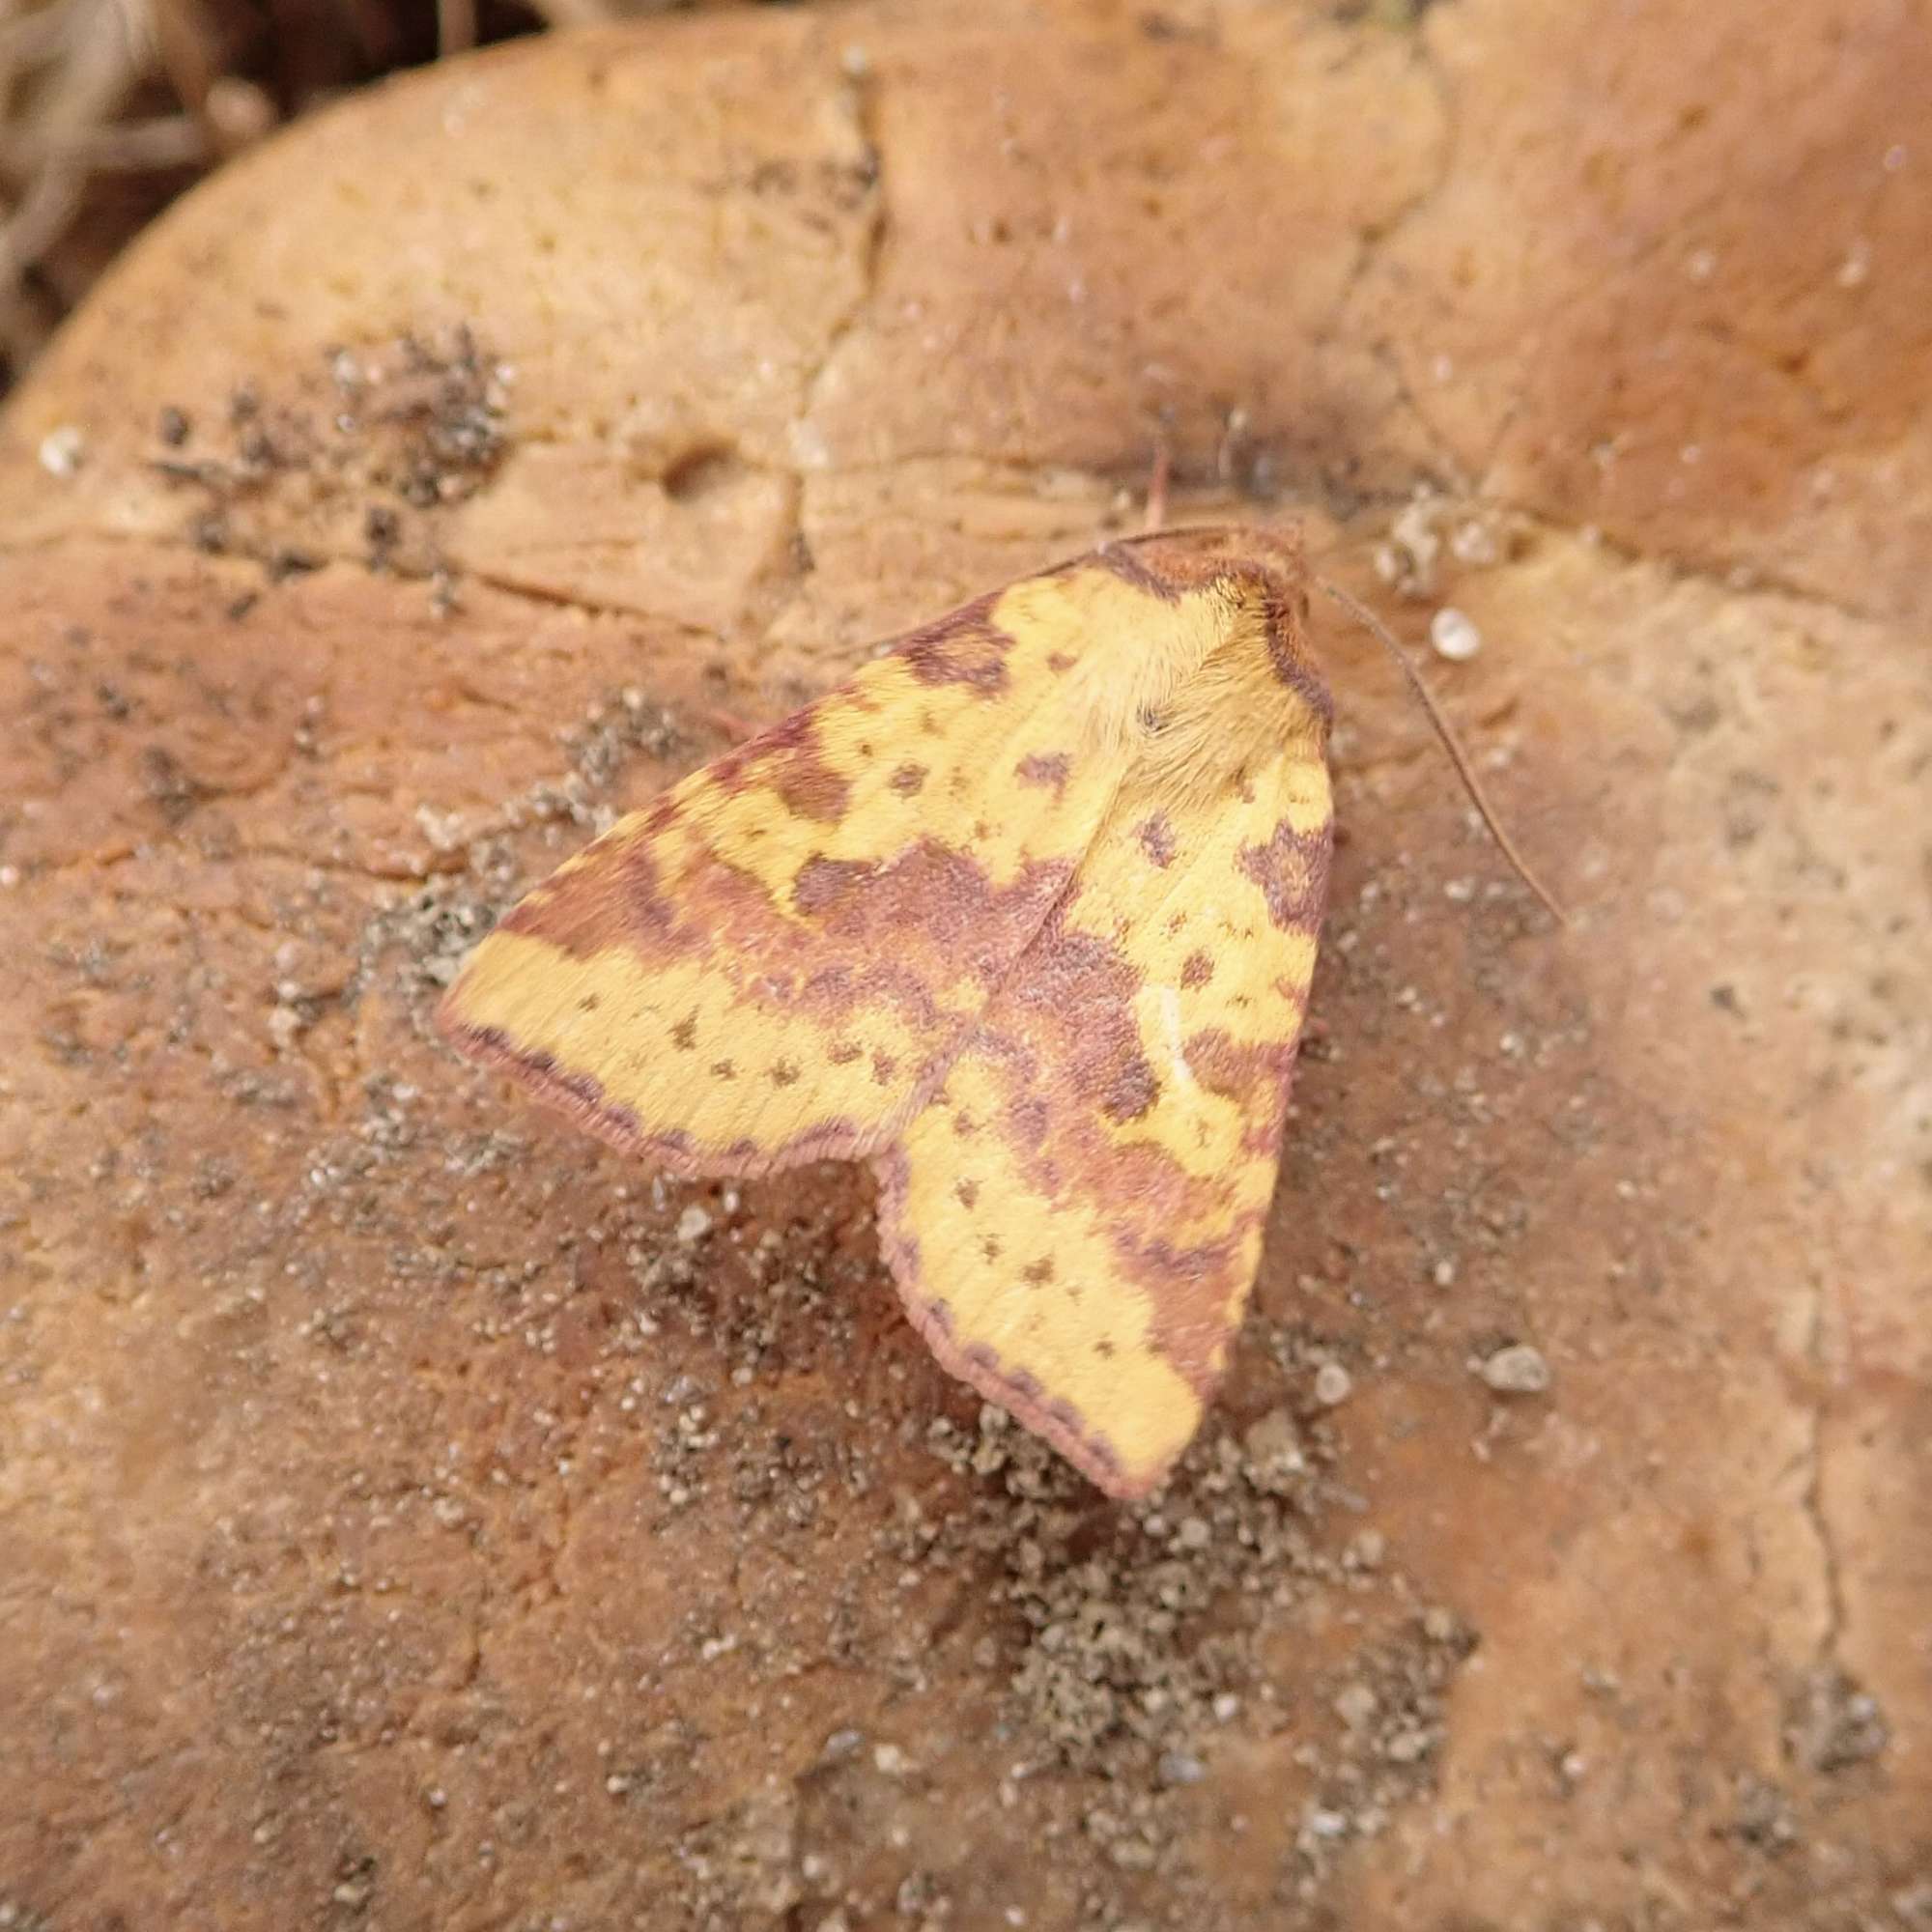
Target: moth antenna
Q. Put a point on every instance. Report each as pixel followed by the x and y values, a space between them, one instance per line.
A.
pixel 1451 744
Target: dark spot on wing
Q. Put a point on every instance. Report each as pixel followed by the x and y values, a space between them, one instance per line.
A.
pixel 1050 771
pixel 1292 869
pixel 965 648
pixel 1132 1092
pixel 1157 837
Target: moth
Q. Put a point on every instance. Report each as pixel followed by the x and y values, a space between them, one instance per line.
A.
pixel 1025 914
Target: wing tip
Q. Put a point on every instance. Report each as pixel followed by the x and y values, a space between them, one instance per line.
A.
pixel 1057 1422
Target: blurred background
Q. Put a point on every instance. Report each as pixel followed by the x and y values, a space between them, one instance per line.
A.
pixel 110 109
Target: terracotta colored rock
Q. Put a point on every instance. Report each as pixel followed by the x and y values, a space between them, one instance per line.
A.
pixel 414 1515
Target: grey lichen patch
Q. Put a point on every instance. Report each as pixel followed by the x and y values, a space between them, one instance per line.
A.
pixel 1832 1723
pixel 1143 1651
pixel 354 459
pixel 1391 1728
pixel 475 871
pixel 1121 1663
pixel 742 1868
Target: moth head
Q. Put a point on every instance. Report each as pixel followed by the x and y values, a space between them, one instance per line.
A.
pixel 1253 586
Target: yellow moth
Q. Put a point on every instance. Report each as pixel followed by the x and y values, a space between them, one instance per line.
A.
pixel 1025 914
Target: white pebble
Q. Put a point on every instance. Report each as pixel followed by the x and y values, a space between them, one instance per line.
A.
pixel 693 1225
pixel 1332 1385
pixel 1355 1705
pixel 1454 636
pixel 1520 1370
pixel 62 450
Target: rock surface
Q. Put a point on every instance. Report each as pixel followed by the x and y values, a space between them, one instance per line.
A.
pixel 414 1515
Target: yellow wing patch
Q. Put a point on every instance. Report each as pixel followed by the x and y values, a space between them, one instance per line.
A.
pixel 1026 911
pixel 1075 1217
pixel 775 960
